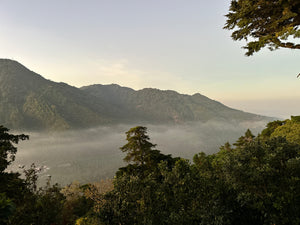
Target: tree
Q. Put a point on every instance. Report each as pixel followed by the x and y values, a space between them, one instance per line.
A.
pixel 289 129
pixel 253 181
pixel 137 197
pixel 21 201
pixel 7 149
pixel 271 127
pixel 138 147
pixel 140 151
pixel 269 23
pixel 6 208
pixel 263 174
pixel 10 184
pixel 244 140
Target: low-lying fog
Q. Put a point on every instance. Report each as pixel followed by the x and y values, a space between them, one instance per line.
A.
pixel 94 154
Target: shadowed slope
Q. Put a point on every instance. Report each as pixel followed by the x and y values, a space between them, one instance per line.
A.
pixel 28 101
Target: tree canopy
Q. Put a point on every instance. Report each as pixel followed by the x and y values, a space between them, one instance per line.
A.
pixel 266 23
pixel 253 181
pixel 138 147
pixel 7 149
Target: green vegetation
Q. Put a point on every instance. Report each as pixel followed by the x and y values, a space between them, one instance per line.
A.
pixel 168 107
pixel 254 181
pixel 270 23
pixel 30 102
pixel 22 202
pixel 289 129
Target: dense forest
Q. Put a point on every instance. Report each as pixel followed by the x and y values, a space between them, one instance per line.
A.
pixel 256 180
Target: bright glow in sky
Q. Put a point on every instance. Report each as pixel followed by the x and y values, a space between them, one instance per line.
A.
pixel 169 44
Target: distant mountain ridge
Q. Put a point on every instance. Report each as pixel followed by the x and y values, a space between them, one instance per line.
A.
pixel 154 105
pixel 30 102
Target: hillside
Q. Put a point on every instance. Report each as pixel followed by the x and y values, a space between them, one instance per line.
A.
pixel 153 105
pixel 29 101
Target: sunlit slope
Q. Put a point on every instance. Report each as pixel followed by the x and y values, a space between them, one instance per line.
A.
pixel 30 102
pixel 289 129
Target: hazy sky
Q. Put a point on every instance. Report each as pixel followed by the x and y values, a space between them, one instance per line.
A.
pixel 166 44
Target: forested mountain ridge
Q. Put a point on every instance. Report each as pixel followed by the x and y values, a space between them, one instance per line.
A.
pixel 154 105
pixel 29 101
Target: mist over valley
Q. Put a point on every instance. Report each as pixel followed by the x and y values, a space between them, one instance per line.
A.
pixel 89 155
pixel 76 133
pixel 148 112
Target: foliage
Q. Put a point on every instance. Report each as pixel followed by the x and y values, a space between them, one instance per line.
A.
pixel 88 220
pixel 96 193
pixel 138 148
pixel 7 149
pixel 264 177
pixel 22 202
pixel 6 208
pixel 254 181
pixel 267 132
pixel 76 204
pixel 289 129
pixel 137 197
pixel 244 140
pixel 267 23
pixel 10 183
pixel 35 205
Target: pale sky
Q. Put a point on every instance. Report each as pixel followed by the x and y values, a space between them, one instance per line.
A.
pixel 166 44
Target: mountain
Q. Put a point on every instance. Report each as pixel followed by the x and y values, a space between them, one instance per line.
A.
pixel 157 106
pixel 29 101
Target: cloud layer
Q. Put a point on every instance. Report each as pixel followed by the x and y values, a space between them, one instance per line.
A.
pixel 93 154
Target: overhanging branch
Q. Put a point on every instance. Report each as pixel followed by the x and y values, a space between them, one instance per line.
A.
pixel 286 44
